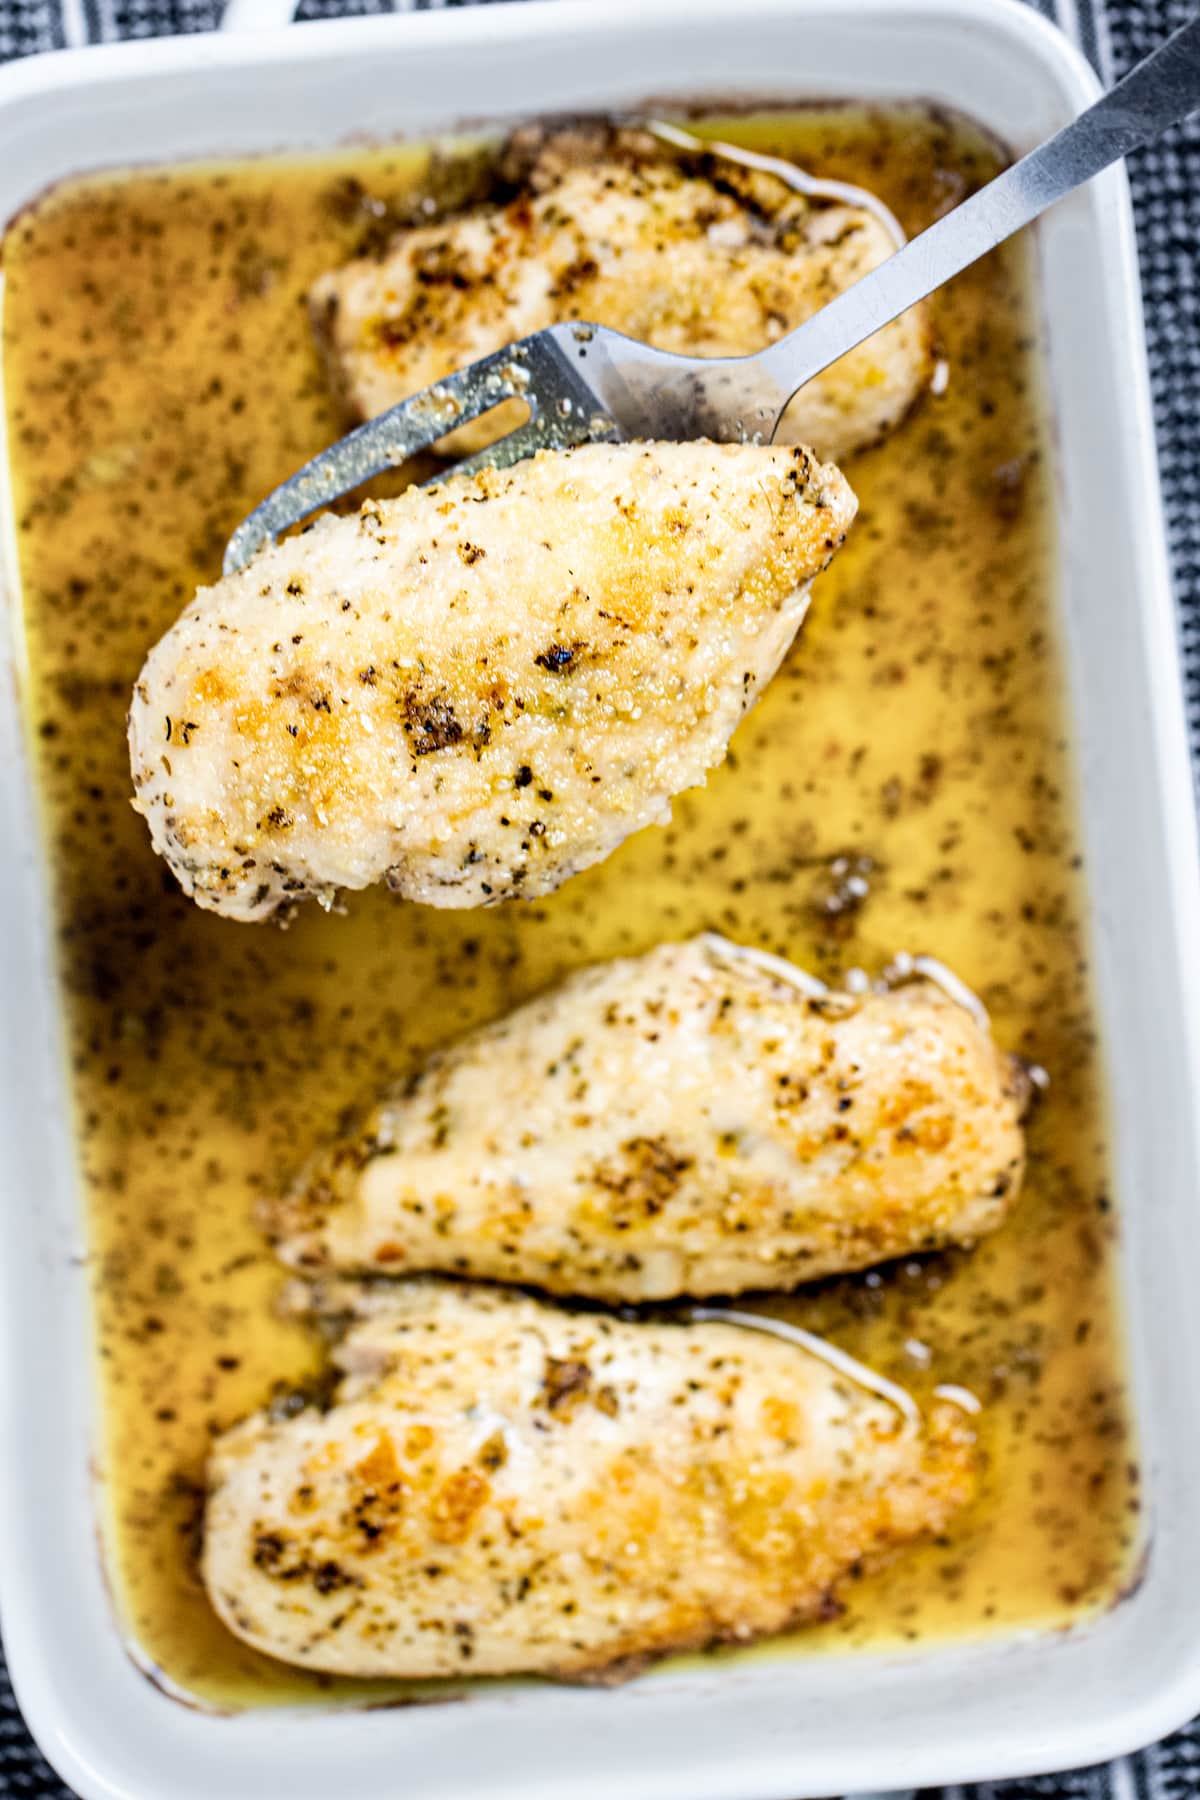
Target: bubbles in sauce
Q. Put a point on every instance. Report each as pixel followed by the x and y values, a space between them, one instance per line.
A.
pixel 904 785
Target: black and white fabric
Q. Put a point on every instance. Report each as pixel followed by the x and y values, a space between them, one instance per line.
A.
pixel 1166 188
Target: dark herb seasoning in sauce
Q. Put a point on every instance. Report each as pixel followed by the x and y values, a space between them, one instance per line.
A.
pixel 905 783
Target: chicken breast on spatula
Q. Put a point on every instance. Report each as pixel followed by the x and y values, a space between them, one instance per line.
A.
pixel 502 1486
pixel 698 1120
pixel 702 257
pixel 476 689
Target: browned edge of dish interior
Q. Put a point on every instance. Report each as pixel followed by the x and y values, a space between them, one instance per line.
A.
pixel 720 105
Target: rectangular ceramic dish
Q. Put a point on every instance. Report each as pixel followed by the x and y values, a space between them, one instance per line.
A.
pixel 788 1728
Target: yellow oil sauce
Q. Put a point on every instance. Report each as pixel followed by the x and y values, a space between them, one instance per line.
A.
pixel 904 784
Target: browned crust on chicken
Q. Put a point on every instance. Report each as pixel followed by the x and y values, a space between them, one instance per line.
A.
pixel 476 689
pixel 692 254
pixel 502 1486
pixel 686 1122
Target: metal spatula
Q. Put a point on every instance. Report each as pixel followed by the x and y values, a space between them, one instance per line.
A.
pixel 587 384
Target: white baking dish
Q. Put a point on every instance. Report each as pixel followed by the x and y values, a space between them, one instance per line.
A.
pixel 791 1727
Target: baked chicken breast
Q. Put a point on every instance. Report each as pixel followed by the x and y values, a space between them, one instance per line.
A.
pixel 697 256
pixel 476 689
pixel 698 1120
pixel 502 1486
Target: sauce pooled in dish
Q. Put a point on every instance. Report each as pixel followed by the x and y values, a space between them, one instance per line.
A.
pixel 904 783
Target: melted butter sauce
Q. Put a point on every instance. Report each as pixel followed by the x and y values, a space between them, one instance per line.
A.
pixel 905 783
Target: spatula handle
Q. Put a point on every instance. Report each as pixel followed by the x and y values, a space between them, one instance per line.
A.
pixel 1163 89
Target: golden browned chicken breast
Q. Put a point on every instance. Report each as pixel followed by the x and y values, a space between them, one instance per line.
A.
pixel 698 1120
pixel 703 258
pixel 504 1486
pixel 479 688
